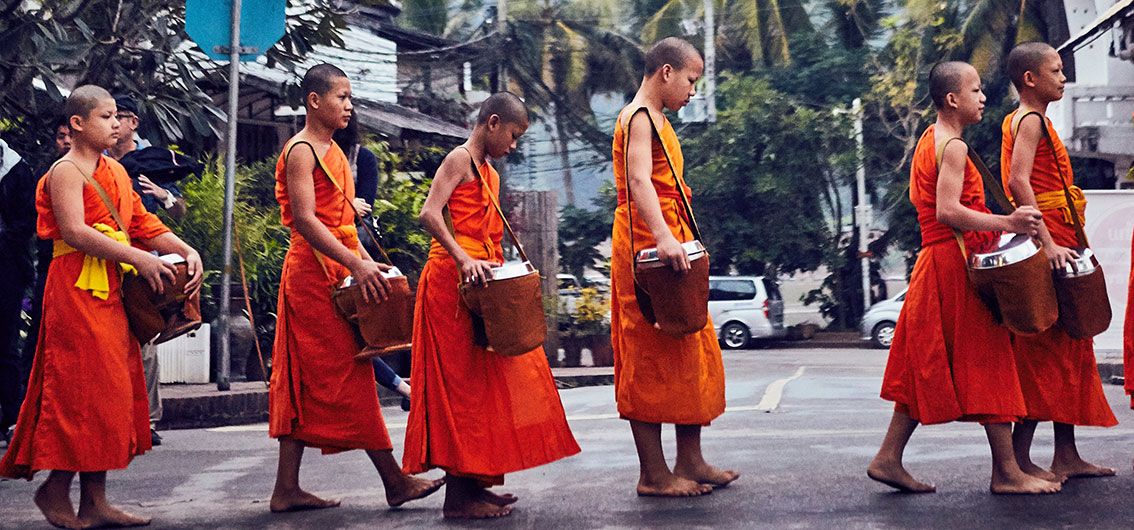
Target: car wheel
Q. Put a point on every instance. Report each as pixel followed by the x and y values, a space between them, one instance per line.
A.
pixel 735 335
pixel 883 334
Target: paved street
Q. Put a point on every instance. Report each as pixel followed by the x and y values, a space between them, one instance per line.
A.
pixel 803 466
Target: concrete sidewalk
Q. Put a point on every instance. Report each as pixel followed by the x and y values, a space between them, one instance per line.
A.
pixel 201 406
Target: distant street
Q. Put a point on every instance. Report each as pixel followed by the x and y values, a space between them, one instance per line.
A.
pixel 803 466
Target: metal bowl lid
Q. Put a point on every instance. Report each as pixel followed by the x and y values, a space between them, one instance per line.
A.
pixel 1011 249
pixel 1085 264
pixel 394 272
pixel 172 259
pixel 695 249
pixel 512 269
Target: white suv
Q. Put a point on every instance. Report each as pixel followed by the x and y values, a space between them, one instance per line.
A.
pixel 745 308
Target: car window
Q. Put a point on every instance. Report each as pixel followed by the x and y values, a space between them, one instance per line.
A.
pixel 901 298
pixel 731 290
pixel 772 289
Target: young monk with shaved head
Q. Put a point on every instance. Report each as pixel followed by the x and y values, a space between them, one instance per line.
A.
pixel 476 414
pixel 320 395
pixel 86 408
pixel 950 360
pixel 660 378
pixel 1058 373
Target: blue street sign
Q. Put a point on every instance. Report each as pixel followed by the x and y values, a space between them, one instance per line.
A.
pixel 209 24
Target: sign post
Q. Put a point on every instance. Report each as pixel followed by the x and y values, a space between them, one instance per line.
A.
pixel 264 24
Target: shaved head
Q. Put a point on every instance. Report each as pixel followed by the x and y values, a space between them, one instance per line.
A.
pixel 320 79
pixel 1027 57
pixel 946 78
pixel 83 100
pixel 672 51
pixel 507 105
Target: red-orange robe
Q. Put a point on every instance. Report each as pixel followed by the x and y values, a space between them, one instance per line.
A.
pixel 950 360
pixel 658 378
pixel 86 408
pixel 320 394
pixel 1058 373
pixel 1128 332
pixel 476 413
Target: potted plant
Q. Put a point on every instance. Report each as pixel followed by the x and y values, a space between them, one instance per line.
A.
pixel 589 326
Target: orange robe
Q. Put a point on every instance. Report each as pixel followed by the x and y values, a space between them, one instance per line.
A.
pixel 1128 332
pixel 658 378
pixel 950 360
pixel 1058 373
pixel 320 394
pixel 475 413
pixel 86 407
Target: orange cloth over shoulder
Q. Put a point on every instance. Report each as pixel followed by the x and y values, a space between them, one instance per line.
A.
pixel 950 360
pixel 658 378
pixel 320 394
pixel 476 413
pixel 1058 373
pixel 86 407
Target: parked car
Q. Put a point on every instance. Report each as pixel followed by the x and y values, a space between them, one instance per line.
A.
pixel 880 320
pixel 744 308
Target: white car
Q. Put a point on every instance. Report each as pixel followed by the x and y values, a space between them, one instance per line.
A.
pixel 879 321
pixel 745 308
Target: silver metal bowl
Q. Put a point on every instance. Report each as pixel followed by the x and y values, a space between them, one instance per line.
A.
pixel 1012 248
pixel 694 249
pixel 394 272
pixel 513 269
pixel 1086 264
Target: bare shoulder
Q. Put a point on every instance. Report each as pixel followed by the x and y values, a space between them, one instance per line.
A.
pixel 457 165
pixel 65 173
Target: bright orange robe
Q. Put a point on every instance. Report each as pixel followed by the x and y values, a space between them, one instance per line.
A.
pixel 950 360
pixel 320 394
pixel 1128 332
pixel 476 413
pixel 1058 373
pixel 86 407
pixel 658 378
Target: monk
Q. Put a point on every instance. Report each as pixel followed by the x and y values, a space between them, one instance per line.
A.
pixel 950 361
pixel 86 410
pixel 1058 373
pixel 476 414
pixel 660 378
pixel 320 396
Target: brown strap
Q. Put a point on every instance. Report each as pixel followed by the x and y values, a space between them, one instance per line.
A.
pixel 102 194
pixel 248 305
pixel 992 186
pixel 629 197
pixel 1080 233
pixel 492 198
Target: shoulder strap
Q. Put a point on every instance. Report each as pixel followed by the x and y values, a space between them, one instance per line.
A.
pixel 102 195
pixel 495 203
pixel 358 218
pixel 992 186
pixel 1080 233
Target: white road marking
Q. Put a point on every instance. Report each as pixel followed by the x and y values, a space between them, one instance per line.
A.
pixel 775 392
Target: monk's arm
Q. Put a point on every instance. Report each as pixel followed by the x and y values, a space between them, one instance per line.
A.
pixel 65 184
pixel 169 243
pixel 950 211
pixel 639 166
pixel 1023 161
pixel 301 192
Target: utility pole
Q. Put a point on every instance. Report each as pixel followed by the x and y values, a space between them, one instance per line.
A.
pixel 863 213
pixel 502 27
pixel 229 196
pixel 710 63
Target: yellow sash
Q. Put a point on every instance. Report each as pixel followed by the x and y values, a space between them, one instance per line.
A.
pixel 94 277
pixel 1056 200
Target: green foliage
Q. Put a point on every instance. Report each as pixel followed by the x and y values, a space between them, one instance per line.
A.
pixel 767 170
pixel 430 16
pixel 397 206
pixel 580 233
pixel 591 314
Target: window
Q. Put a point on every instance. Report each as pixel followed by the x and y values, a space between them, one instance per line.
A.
pixel 731 290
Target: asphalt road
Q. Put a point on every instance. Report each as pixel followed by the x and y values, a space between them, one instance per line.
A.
pixel 803 466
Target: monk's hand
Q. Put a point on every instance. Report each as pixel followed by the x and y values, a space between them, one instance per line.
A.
pixel 1025 220
pixel 154 270
pixel 196 271
pixel 368 275
pixel 476 271
pixel 1059 256
pixel 363 207
pixel 671 253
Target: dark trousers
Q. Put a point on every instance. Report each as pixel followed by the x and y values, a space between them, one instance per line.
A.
pixel 15 363
pixel 385 375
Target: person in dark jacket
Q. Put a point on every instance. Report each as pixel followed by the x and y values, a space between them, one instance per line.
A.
pixel 17 225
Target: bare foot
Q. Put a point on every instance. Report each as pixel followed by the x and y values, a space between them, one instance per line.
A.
pixel 1039 472
pixel 1023 484
pixel 413 488
pixel 894 475
pixel 706 474
pixel 462 507
pixel 502 499
pixel 672 486
pixel 299 500
pixel 107 516
pixel 1078 468
pixel 56 508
